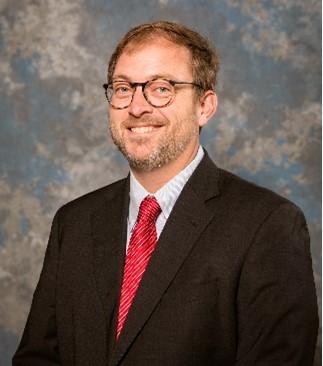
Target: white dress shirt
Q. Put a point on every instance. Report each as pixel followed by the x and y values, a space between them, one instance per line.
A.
pixel 166 195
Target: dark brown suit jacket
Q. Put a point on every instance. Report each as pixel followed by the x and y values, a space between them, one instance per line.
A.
pixel 230 282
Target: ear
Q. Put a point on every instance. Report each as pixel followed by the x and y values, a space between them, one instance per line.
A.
pixel 207 106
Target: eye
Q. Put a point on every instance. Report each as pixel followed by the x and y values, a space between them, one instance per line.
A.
pixel 122 89
pixel 160 89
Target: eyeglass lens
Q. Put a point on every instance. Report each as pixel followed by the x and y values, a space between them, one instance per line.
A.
pixel 157 92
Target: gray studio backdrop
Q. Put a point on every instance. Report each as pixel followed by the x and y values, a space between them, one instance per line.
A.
pixel 54 140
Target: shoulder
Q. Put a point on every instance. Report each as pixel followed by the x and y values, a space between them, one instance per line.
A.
pixel 257 208
pixel 242 198
pixel 244 190
pixel 254 201
pixel 92 201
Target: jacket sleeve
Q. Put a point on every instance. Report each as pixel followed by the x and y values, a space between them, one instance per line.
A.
pixel 39 343
pixel 277 306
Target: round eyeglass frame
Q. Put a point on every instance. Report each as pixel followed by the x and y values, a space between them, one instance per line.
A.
pixel 143 85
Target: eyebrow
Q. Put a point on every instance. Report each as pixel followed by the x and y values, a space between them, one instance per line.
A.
pixel 151 77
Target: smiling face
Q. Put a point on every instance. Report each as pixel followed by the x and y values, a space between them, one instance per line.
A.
pixel 152 137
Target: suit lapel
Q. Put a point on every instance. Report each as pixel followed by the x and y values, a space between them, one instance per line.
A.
pixel 109 233
pixel 187 221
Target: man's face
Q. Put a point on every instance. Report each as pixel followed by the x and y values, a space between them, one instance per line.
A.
pixel 152 137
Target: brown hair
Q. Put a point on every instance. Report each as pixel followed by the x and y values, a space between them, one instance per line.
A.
pixel 205 61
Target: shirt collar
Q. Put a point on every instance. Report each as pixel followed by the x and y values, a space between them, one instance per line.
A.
pixel 166 195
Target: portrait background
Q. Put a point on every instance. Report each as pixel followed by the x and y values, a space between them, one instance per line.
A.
pixel 55 143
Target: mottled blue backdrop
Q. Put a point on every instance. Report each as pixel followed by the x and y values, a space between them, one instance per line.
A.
pixel 54 141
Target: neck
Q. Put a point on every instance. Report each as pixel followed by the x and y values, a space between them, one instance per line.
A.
pixel 156 178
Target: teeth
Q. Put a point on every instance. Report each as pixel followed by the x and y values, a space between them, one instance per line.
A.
pixel 142 129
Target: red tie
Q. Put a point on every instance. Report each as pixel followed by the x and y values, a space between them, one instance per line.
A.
pixel 142 243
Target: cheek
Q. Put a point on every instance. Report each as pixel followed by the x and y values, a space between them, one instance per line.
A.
pixel 169 114
pixel 115 118
pixel 180 118
pixel 112 115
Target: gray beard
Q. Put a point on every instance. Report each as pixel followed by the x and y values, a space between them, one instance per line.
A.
pixel 168 150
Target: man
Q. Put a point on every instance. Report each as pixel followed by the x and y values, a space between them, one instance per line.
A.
pixel 181 263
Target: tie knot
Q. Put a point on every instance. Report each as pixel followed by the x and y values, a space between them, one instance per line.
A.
pixel 149 209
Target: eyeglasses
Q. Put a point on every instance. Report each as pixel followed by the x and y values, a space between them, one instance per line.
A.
pixel 158 92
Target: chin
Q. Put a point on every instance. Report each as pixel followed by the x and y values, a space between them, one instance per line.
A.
pixel 139 151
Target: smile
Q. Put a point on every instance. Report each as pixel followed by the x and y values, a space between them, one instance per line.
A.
pixel 144 129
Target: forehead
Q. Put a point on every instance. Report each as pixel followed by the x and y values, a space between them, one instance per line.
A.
pixel 158 57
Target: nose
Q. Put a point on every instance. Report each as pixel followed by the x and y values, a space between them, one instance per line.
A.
pixel 139 104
